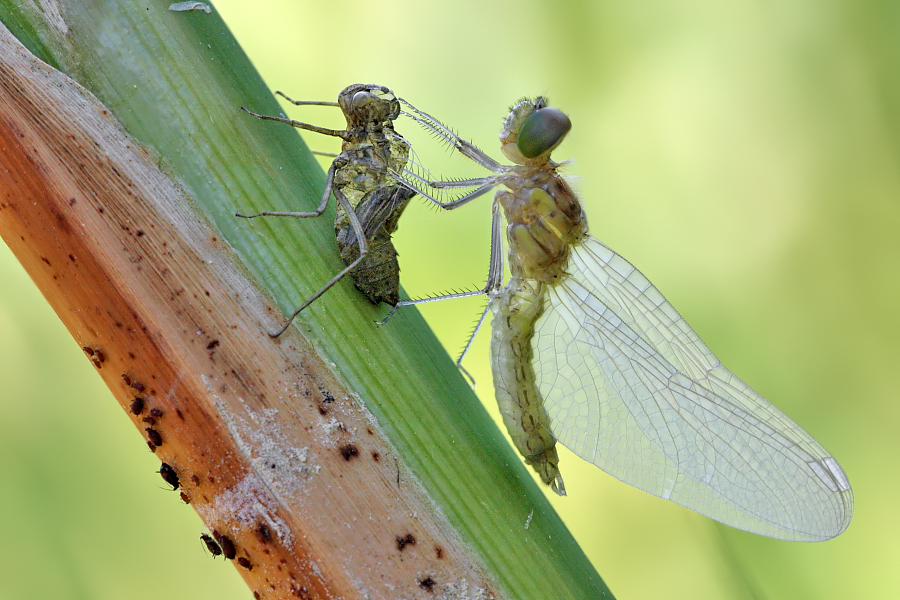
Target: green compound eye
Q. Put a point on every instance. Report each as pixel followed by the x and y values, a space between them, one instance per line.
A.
pixel 542 131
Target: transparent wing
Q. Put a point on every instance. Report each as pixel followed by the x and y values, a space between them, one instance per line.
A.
pixel 631 388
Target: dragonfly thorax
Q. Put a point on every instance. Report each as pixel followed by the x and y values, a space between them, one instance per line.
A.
pixel 544 218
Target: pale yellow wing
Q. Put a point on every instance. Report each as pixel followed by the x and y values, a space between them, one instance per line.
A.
pixel 631 388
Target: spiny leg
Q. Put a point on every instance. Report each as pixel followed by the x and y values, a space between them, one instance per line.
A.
pixel 468 149
pixel 462 355
pixel 485 184
pixel 494 280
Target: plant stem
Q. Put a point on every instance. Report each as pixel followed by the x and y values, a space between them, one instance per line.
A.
pixel 132 239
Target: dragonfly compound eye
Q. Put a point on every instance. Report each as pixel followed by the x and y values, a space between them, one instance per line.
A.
pixel 542 131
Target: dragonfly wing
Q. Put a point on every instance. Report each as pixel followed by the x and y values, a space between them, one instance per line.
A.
pixel 631 388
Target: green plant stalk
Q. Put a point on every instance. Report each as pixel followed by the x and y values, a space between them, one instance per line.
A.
pixel 176 82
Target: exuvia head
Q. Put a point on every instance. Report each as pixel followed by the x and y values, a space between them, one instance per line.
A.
pixel 368 103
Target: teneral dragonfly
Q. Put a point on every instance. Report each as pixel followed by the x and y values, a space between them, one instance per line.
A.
pixel 587 352
pixel 370 199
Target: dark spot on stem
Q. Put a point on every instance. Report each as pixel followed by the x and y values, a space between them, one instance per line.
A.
pixel 403 542
pixel 264 533
pixel 427 584
pixel 349 451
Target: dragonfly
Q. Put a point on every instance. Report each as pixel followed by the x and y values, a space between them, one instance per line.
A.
pixel 369 198
pixel 585 351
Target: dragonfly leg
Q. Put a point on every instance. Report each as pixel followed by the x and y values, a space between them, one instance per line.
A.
pixel 363 250
pixel 495 273
pixel 304 125
pixel 301 125
pixel 306 102
pixel 462 355
pixel 485 184
pixel 323 203
pixel 468 149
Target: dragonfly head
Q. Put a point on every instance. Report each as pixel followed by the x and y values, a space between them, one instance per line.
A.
pixel 532 130
pixel 367 103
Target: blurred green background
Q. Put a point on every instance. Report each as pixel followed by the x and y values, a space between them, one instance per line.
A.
pixel 744 155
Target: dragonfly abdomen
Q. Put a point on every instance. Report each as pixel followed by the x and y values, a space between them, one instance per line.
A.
pixel 516 307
